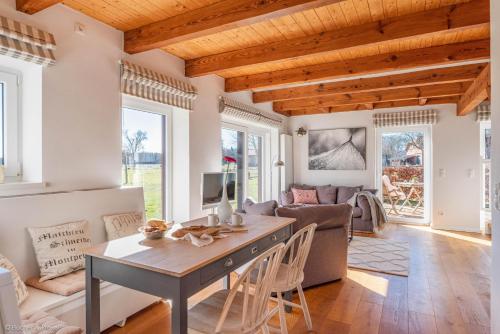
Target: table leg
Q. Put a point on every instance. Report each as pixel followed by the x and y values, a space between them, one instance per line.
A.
pixel 226 282
pixel 92 300
pixel 179 313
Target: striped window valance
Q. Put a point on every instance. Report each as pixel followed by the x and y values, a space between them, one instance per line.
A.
pixel 417 117
pixel 245 112
pixel 147 84
pixel 21 41
pixel 483 112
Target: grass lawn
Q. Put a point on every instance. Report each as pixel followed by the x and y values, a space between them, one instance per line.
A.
pixel 149 177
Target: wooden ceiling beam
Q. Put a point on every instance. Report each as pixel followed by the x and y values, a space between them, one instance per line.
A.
pixel 430 56
pixel 454 18
pixel 479 91
pixel 381 105
pixel 211 19
pixel 419 78
pixel 424 92
pixel 34 6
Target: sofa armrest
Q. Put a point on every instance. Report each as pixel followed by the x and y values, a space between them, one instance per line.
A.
pixel 325 216
pixel 362 202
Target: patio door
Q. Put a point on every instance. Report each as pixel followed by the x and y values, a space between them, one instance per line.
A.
pixel 403 172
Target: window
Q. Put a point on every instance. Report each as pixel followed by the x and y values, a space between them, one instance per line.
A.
pixel 250 147
pixel 144 158
pixel 9 118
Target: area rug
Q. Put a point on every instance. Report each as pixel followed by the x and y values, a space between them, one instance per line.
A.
pixel 382 255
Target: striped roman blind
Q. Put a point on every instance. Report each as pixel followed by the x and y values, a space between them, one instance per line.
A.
pixel 416 117
pixel 147 84
pixel 21 41
pixel 483 112
pixel 243 112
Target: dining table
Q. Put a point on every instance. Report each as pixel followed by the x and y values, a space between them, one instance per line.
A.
pixel 175 269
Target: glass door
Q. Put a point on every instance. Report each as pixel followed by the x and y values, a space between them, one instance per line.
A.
pixel 255 185
pixel 403 173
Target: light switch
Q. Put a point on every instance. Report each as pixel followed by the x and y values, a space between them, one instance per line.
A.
pixel 442 172
pixel 471 173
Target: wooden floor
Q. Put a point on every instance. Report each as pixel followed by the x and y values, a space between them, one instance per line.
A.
pixel 447 291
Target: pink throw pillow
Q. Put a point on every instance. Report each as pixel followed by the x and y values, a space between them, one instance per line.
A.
pixel 302 196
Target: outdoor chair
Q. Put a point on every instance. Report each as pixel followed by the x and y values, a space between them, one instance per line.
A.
pixel 392 193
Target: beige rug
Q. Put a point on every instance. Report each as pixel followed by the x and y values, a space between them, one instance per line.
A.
pixel 382 255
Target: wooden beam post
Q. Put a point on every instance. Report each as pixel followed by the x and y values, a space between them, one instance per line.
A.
pixel 454 18
pixel 211 19
pixel 431 56
pixel 479 91
pixel 34 6
pixel 418 78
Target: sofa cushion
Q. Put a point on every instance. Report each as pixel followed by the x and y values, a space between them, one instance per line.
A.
pixel 364 205
pixel 326 216
pixel 357 212
pixel 65 285
pixel 327 194
pixel 20 287
pixel 263 209
pixel 59 249
pixel 303 196
pixel 345 193
pixel 122 225
pixel 286 198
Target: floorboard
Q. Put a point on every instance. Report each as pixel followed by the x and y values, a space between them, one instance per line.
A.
pixel 447 291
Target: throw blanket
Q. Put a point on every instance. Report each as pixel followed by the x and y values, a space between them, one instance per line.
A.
pixel 379 218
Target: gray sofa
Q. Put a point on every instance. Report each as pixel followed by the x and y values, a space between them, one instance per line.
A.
pixel 330 194
pixel 327 259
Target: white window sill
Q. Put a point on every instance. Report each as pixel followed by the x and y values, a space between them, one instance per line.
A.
pixel 16 188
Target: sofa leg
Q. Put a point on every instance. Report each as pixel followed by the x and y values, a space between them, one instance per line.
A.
pixel 122 323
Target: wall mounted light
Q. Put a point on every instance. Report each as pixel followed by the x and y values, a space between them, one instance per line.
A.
pixel 301 132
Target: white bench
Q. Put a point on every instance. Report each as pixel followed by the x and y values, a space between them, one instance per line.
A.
pixel 16 214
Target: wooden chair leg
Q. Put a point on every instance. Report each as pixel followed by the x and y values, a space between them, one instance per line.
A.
pixel 265 329
pixel 305 309
pixel 282 314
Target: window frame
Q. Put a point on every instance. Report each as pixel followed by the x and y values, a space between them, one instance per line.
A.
pixel 266 134
pixel 139 104
pixel 483 126
pixel 11 124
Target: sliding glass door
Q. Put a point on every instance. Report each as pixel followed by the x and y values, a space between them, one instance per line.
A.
pixel 403 172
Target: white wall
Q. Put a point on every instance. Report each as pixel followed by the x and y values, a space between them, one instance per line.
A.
pixel 455 148
pixel 495 124
pixel 81 109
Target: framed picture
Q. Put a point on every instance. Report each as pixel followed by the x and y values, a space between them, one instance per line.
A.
pixel 337 149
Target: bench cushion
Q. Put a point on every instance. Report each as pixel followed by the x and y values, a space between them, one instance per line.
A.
pixel 42 323
pixel 21 289
pixel 123 224
pixel 59 249
pixel 65 285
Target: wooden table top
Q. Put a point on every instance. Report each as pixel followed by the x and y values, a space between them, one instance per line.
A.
pixel 179 257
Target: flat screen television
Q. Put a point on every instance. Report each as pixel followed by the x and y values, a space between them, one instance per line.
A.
pixel 211 188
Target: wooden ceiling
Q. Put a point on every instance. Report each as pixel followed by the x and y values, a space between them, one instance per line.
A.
pixel 262 45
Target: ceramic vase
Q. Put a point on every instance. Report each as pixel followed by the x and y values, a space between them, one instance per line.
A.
pixel 224 209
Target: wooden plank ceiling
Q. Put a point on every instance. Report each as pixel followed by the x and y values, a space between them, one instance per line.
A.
pixel 263 45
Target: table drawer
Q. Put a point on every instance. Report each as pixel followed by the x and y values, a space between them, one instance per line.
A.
pixel 275 238
pixel 231 262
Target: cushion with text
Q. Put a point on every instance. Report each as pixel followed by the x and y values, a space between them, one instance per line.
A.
pixel 123 224
pixel 21 290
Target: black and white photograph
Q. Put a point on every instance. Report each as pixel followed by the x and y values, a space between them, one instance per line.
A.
pixel 337 149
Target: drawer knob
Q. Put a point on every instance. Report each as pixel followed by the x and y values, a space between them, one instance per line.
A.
pixel 274 237
pixel 229 263
pixel 254 250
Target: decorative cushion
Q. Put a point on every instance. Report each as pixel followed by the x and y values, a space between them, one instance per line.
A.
pixel 65 285
pixel 327 194
pixel 345 193
pixel 122 225
pixel 42 323
pixel 263 209
pixel 286 198
pixel 59 249
pixel 301 196
pixel 21 290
